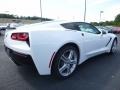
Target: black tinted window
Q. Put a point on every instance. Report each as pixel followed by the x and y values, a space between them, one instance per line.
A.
pixel 72 26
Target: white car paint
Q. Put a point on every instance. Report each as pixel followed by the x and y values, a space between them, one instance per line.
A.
pixel 48 37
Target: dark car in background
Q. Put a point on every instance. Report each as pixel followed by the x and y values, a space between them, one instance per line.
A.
pixel 108 29
pixel 116 30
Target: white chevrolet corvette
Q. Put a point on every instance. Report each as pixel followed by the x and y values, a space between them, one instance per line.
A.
pixel 57 47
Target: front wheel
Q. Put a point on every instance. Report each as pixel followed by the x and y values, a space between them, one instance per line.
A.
pixel 114 46
pixel 65 62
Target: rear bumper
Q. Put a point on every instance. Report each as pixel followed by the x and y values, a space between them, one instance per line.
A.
pixel 34 58
pixel 19 58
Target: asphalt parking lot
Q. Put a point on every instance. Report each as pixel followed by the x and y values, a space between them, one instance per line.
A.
pixel 98 73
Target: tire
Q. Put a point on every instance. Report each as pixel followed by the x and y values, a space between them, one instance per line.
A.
pixel 65 62
pixel 113 47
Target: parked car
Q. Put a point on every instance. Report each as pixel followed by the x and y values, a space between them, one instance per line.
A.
pixel 2 32
pixel 105 28
pixel 57 47
pixel 3 28
pixel 116 30
pixel 8 27
pixel 14 25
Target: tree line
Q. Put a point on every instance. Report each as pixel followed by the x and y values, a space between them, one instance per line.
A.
pixel 11 16
pixel 116 22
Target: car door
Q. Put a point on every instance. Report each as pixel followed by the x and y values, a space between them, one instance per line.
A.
pixel 92 39
pixel 106 38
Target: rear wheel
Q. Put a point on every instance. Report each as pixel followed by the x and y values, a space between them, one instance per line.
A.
pixel 65 62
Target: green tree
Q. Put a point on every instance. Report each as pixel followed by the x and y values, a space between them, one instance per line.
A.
pixel 117 18
pixel 6 16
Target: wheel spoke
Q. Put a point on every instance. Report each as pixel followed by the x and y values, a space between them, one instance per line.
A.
pixel 73 62
pixel 71 54
pixel 69 59
pixel 63 68
pixel 68 69
pixel 63 58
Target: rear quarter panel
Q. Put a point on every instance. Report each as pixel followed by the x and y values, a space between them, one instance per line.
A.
pixel 44 43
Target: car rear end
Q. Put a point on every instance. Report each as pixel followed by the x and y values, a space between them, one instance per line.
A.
pixel 29 45
pixel 34 44
pixel 17 47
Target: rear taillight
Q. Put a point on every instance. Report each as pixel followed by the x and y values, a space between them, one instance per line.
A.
pixel 22 36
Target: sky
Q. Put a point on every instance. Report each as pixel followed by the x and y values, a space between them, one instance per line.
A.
pixel 63 9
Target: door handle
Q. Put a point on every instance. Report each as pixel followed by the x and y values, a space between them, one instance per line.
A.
pixel 82 34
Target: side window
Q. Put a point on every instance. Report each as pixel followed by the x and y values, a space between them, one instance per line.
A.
pixel 72 26
pixel 88 28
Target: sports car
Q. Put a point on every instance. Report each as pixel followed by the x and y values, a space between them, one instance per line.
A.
pixel 57 47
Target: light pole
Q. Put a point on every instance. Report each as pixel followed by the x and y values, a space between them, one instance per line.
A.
pixel 41 9
pixel 85 12
pixel 100 15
